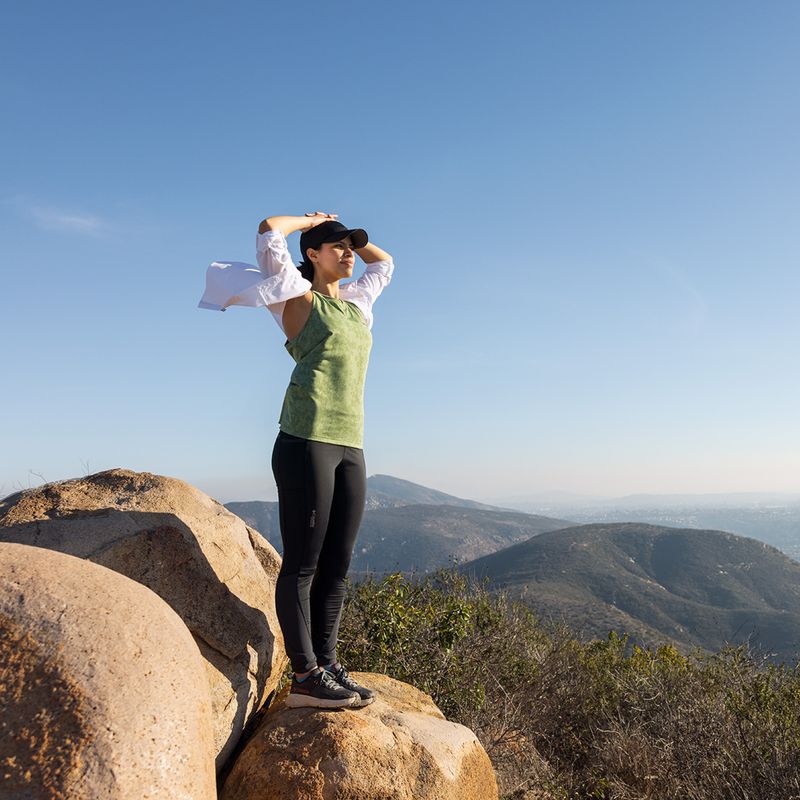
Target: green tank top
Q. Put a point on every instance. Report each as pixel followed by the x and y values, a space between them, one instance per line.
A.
pixel 325 397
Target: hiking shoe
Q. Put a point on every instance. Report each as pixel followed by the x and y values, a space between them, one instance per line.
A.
pixel 320 690
pixel 343 678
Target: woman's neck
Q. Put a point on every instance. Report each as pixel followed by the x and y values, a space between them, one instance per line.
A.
pixel 330 289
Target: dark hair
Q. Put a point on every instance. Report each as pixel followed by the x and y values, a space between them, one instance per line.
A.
pixel 306 268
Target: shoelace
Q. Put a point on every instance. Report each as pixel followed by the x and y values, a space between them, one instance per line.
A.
pixel 329 680
pixel 343 678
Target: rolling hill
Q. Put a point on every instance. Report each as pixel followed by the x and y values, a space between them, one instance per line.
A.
pixel 422 538
pixel 692 587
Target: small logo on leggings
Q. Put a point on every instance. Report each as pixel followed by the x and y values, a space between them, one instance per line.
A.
pixel 313 512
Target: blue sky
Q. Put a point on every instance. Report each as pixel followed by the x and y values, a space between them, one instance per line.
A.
pixel 592 208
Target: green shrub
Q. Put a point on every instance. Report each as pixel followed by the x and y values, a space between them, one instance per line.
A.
pixel 573 720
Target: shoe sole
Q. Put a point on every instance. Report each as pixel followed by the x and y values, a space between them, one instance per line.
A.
pixel 361 703
pixel 303 700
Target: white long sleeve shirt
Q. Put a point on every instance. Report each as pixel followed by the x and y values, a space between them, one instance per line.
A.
pixel 276 279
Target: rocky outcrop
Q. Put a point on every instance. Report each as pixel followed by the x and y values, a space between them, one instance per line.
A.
pixel 137 675
pixel 103 690
pixel 400 747
pixel 214 571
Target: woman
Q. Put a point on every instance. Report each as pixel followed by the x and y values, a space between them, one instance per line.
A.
pixel 318 457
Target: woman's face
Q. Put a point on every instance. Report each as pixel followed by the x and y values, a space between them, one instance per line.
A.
pixel 335 260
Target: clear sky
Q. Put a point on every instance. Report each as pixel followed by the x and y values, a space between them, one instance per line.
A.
pixel 592 208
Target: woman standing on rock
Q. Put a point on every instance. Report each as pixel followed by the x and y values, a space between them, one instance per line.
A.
pixel 318 457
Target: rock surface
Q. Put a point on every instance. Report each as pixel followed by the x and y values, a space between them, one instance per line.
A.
pixel 103 690
pixel 400 747
pixel 212 569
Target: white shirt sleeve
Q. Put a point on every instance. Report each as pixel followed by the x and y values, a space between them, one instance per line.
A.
pixel 274 281
pixel 364 291
pixel 284 280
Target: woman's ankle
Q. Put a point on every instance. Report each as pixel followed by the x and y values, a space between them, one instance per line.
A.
pixel 301 675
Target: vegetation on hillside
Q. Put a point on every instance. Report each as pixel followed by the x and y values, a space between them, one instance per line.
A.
pixel 561 719
pixel 691 588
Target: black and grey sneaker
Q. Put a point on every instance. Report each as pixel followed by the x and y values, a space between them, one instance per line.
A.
pixel 343 678
pixel 320 690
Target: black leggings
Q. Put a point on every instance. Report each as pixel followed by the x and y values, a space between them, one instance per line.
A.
pixel 322 489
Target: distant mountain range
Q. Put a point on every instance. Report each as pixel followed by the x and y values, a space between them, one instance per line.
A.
pixel 778 526
pixel 411 528
pixel 693 587
pixel 384 491
pixel 772 517
pixel 547 501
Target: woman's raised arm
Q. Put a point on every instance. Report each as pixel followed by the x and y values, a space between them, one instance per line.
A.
pixel 370 253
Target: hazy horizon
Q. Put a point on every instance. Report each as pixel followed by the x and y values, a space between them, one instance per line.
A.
pixel 253 490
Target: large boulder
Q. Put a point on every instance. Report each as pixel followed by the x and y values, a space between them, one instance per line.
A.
pixel 213 570
pixel 400 747
pixel 103 690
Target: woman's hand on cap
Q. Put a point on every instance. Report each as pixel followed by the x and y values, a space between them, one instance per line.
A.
pixel 318 217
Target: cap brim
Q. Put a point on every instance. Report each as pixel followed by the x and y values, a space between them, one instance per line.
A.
pixel 358 236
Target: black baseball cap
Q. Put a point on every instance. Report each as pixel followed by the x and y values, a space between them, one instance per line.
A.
pixel 330 231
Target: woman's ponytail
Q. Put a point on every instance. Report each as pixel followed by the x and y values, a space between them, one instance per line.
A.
pixel 306 268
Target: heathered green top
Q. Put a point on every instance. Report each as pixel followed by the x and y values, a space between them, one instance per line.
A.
pixel 325 397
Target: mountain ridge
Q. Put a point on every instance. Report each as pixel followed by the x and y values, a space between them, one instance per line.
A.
pixel 693 587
